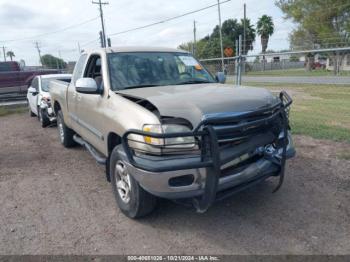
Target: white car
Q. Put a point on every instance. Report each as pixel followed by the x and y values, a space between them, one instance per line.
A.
pixel 39 99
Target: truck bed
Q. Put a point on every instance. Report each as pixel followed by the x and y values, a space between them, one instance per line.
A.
pixel 58 91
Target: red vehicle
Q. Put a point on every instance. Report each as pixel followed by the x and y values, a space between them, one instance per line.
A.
pixel 15 80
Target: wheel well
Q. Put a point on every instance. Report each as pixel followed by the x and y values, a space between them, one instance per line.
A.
pixel 112 141
pixel 56 107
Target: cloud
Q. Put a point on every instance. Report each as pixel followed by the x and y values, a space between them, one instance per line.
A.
pixel 23 19
pixel 12 15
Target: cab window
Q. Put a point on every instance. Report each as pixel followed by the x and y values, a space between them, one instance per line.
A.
pixel 93 69
pixel 35 83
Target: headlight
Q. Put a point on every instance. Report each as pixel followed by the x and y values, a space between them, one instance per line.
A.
pixel 46 99
pixel 168 129
pixel 153 129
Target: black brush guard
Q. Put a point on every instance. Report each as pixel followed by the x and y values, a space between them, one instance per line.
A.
pixel 210 149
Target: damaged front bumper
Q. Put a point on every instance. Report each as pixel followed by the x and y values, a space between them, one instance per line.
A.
pixel 47 109
pixel 217 171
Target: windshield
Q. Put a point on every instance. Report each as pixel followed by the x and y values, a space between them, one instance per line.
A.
pixel 46 81
pixel 138 69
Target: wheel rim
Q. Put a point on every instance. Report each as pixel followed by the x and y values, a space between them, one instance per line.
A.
pixel 60 129
pixel 122 181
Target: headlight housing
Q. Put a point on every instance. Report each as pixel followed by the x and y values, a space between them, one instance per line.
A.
pixel 182 142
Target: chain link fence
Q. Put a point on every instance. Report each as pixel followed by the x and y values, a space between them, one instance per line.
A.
pixel 311 63
pixel 317 80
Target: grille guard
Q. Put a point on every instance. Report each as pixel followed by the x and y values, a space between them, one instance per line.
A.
pixel 210 151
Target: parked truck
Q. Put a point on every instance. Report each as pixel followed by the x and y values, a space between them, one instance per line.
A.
pixel 15 80
pixel 165 127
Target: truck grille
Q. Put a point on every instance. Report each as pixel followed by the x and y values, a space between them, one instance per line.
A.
pixel 226 137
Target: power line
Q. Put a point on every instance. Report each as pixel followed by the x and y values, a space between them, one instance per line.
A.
pixel 52 32
pixel 167 20
pixel 89 42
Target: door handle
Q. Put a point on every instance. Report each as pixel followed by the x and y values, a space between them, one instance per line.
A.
pixel 78 97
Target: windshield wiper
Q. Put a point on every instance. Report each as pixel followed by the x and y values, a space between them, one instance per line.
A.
pixel 193 81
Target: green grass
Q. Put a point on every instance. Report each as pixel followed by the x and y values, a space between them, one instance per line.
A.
pixel 296 72
pixel 7 111
pixel 319 111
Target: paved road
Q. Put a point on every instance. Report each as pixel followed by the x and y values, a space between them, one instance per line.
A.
pixel 330 80
pixel 57 201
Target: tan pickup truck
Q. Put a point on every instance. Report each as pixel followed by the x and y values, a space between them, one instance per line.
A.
pixel 165 127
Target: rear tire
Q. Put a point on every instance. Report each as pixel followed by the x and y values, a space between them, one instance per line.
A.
pixel 43 118
pixel 65 133
pixel 131 198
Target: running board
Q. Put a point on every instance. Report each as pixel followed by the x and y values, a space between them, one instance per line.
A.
pixel 98 157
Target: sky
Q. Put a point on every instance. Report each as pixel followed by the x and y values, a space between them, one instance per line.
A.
pixel 22 23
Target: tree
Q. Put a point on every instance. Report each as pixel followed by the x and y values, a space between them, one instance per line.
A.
pixel 209 46
pixel 10 54
pixel 321 24
pixel 51 61
pixel 265 28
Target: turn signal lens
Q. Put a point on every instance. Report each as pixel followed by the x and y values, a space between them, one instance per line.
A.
pixel 152 140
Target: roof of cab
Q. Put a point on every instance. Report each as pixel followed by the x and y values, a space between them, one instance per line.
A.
pixel 125 49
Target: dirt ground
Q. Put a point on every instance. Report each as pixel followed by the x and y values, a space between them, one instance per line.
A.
pixel 57 201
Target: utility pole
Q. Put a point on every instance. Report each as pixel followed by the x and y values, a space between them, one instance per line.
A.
pixel 244 35
pixel 60 63
pixel 101 39
pixel 244 29
pixel 239 78
pixel 104 40
pixel 39 51
pixel 221 44
pixel 194 38
pixel 236 62
pixel 4 51
pixel 79 49
pixel 57 65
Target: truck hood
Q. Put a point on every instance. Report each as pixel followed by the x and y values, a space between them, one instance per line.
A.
pixel 198 101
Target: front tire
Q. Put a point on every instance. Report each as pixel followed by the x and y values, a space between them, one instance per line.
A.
pixel 43 118
pixel 131 198
pixel 65 133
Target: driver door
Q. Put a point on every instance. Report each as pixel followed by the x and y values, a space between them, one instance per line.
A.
pixel 89 106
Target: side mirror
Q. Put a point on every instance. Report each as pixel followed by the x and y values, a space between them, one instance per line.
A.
pixel 220 77
pixel 87 86
pixel 32 90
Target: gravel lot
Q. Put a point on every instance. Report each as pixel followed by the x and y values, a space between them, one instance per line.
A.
pixel 57 201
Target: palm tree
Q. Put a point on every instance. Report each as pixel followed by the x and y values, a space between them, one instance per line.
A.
pixel 10 54
pixel 265 29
